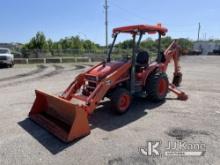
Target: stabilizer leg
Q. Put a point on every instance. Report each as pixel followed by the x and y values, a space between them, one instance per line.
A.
pixel 180 94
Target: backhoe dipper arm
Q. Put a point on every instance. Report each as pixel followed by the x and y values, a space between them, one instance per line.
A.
pixel 173 52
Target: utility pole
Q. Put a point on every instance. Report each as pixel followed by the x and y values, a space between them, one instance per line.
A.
pixel 199 29
pixel 106 23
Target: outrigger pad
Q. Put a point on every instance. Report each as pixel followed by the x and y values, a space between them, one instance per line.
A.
pixel 60 117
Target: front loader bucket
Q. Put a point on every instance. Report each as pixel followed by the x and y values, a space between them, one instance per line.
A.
pixel 60 117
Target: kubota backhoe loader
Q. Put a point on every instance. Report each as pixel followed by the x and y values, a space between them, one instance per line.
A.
pixel 66 116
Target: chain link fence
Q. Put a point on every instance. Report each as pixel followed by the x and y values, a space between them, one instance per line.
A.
pixel 70 55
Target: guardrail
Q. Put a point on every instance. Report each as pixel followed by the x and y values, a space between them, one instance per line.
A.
pixel 58 60
pixel 52 60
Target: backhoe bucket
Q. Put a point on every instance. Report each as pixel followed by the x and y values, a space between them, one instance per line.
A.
pixel 60 117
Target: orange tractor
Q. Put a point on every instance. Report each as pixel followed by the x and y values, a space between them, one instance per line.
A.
pixel 66 116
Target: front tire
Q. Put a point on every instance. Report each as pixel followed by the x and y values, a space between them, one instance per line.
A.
pixel 121 100
pixel 157 87
pixel 9 66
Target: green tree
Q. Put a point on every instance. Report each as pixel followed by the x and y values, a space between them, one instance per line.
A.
pixel 165 42
pixel 38 42
pixel 127 44
pixel 50 44
pixel 185 44
pixel 149 44
pixel 89 45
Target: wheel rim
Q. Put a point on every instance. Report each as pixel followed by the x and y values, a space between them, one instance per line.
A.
pixel 124 102
pixel 162 87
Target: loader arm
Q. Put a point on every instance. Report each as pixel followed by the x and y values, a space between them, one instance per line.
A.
pixel 73 87
pixel 76 84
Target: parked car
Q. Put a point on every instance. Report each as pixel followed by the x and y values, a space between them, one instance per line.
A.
pixel 6 57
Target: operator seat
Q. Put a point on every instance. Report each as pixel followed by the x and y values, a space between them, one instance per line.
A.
pixel 142 60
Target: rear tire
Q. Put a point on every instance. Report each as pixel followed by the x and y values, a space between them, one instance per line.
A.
pixel 157 87
pixel 121 100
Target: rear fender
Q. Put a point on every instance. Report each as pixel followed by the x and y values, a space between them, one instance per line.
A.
pixel 150 71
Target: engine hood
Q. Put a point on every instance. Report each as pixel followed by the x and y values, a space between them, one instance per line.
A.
pixel 6 55
pixel 102 71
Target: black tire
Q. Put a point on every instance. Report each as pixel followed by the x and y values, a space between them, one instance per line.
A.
pixel 12 64
pixel 116 100
pixel 153 89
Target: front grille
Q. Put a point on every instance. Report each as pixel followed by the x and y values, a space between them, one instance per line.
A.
pixel 3 58
pixel 91 84
pixel 91 78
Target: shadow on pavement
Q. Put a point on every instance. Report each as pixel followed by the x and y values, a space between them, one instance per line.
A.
pixel 3 66
pixel 49 141
pixel 107 120
pixel 102 118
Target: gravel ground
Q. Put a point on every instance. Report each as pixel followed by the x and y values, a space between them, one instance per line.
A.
pixel 114 139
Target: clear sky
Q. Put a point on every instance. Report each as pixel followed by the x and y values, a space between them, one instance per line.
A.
pixel 21 19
